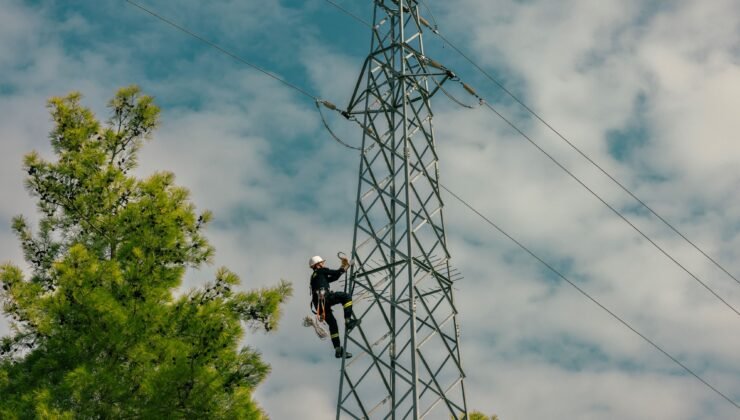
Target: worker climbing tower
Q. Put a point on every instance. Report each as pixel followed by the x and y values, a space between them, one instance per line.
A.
pixel 407 354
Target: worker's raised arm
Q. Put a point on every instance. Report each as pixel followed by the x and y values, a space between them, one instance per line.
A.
pixel 333 275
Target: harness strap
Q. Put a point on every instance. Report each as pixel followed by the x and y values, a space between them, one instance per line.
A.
pixel 322 306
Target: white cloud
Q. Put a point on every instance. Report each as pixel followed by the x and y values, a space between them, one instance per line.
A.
pixel 253 151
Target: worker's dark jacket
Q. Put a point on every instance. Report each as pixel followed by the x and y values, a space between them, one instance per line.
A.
pixel 321 278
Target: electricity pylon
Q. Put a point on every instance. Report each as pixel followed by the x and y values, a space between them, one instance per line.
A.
pixel 407 354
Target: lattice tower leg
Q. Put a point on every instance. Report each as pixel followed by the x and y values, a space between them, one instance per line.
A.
pixel 407 354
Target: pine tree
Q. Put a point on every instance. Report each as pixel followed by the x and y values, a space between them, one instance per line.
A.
pixel 99 329
pixel 477 415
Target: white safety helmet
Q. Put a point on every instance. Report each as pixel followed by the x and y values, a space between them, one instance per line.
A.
pixel 315 260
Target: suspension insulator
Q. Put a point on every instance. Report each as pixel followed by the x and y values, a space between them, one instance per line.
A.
pixel 469 89
pixel 329 105
pixel 435 64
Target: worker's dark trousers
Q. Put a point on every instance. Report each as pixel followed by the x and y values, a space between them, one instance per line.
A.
pixel 334 298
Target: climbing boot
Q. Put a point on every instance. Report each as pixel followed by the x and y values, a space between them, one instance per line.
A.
pixel 338 352
pixel 351 324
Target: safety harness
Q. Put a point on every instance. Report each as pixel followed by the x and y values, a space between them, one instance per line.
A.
pixel 319 310
pixel 318 320
pixel 320 305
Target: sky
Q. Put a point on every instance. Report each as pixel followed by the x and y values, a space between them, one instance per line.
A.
pixel 648 89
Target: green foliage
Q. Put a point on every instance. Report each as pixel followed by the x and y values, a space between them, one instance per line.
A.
pixel 477 415
pixel 96 330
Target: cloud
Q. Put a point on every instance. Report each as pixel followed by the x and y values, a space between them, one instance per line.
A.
pixel 254 152
pixel 553 215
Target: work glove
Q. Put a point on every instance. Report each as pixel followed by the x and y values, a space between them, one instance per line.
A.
pixel 345 263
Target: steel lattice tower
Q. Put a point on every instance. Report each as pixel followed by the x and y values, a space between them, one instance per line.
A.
pixel 407 355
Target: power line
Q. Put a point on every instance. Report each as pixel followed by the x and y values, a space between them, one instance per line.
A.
pixel 559 274
pixel 236 57
pixel 304 92
pixel 621 216
pixel 331 132
pixel 591 298
pixel 578 180
pixel 227 52
pixel 350 14
pixel 582 153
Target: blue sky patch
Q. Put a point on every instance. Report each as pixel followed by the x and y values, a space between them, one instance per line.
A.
pixel 570 353
pixel 624 143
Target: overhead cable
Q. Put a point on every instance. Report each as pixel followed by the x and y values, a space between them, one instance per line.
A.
pixel 236 57
pixel 336 138
pixel 571 283
pixel 617 212
pixel 319 101
pixel 348 13
pixel 587 295
pixel 225 51
pixel 579 151
pixel 561 166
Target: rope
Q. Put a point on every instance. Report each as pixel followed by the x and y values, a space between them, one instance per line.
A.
pixel 317 325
